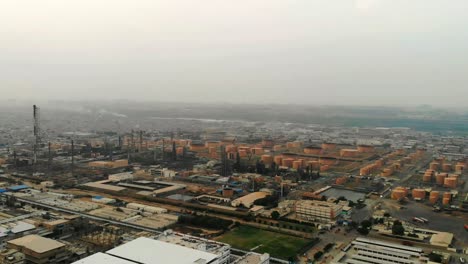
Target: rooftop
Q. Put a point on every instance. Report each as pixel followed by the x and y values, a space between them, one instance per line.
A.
pixel 149 251
pixel 102 258
pixel 36 243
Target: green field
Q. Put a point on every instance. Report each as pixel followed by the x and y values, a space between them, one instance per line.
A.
pixel 277 245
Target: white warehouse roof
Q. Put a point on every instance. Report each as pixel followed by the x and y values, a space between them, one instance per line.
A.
pixel 149 251
pixel 102 258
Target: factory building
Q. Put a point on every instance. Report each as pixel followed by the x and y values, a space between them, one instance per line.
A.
pixel 248 200
pixel 369 251
pixel 168 247
pixel 317 211
pixel 40 250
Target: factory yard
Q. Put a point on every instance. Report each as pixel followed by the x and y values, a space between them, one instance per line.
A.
pixel 257 240
pixel 437 221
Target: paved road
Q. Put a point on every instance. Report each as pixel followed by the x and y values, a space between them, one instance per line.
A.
pixel 437 221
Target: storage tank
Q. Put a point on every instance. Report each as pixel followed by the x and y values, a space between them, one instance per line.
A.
pixel 365 148
pixel 228 192
pixel 440 178
pixel 341 180
pixel 327 161
pixel 288 162
pixel 313 150
pixel 434 197
pixel 445 201
pixel 294 145
pixel 257 151
pixel 348 152
pixel 297 164
pixel 242 153
pixel 427 178
pixel 267 143
pixel 315 165
pixel 328 146
pixel 447 195
pixel 212 144
pixel 267 159
pixel 324 168
pixel 450 182
pixel 434 166
pixel 197 147
pixel 447 167
pixel 278 147
pixel 231 148
pixel 419 194
pixel 398 194
pixel 278 160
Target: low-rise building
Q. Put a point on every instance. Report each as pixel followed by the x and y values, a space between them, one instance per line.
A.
pixel 40 250
pixel 370 251
pixel 317 211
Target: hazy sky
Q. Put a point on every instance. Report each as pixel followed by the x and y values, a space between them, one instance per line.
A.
pixel 281 51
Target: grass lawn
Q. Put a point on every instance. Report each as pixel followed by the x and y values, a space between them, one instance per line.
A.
pixel 277 245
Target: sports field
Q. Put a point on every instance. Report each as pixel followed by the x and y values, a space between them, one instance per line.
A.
pixel 277 245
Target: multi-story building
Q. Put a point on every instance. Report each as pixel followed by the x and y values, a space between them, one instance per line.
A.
pixel 317 211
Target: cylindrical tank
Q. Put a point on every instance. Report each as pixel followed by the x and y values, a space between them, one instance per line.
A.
pixel 231 148
pixel 418 194
pixel 297 164
pixel 267 159
pixel 445 201
pixel 365 148
pixel 398 194
pixel 447 195
pixel 341 180
pixel 228 192
pixel 278 147
pixel 327 161
pixel 434 166
pixel 328 146
pixel 427 178
pixel 288 162
pixel 242 153
pixel 450 182
pixel 312 150
pixel 212 144
pixel 440 178
pixel 447 167
pixel 293 145
pixel 324 167
pixel 278 160
pixel 257 151
pixel 434 197
pixel 267 143
pixel 315 165
pixel 212 150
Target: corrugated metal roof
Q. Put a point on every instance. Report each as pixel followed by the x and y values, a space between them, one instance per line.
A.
pixel 102 258
pixel 149 251
pixel 18 187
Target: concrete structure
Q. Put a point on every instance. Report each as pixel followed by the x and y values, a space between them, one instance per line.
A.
pixel 121 177
pixel 369 251
pixel 249 199
pixel 39 249
pixel 253 258
pixel 317 211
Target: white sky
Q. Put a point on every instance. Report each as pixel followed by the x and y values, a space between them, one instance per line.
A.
pixel 245 51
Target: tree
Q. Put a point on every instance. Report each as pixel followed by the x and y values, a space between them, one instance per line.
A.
pixel 275 215
pixel 435 257
pixel 318 255
pixel 366 224
pixel 363 230
pixel 397 228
